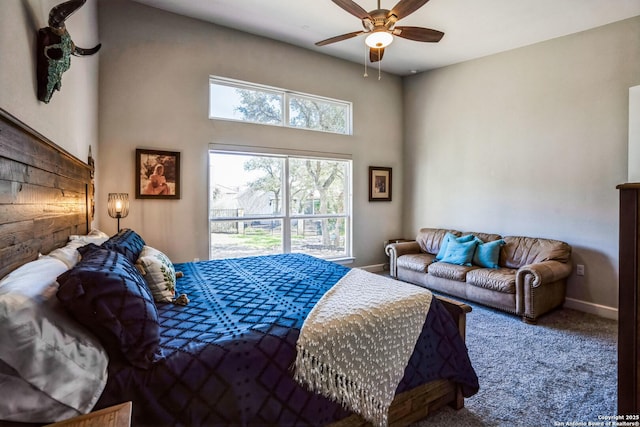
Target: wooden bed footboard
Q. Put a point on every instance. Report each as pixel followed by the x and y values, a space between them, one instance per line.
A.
pixel 416 404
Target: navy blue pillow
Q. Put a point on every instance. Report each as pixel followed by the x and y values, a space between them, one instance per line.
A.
pixel 127 242
pixel 106 293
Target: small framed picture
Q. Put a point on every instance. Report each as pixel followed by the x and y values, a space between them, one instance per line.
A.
pixel 157 174
pixel 379 184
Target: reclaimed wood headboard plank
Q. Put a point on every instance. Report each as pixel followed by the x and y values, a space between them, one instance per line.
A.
pixel 45 194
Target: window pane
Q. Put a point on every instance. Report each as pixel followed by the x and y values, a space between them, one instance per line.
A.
pixel 233 239
pixel 324 238
pixel 318 114
pixel 247 193
pixel 317 187
pixel 245 185
pixel 251 105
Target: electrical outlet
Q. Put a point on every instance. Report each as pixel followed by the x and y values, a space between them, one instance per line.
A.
pixel 580 270
pixel 196 259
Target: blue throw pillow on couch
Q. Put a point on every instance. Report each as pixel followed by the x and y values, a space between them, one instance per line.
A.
pixel 460 253
pixel 445 243
pixel 488 254
pixel 106 293
pixel 127 242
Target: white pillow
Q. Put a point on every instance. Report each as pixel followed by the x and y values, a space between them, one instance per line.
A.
pixel 68 254
pixel 95 236
pixel 48 358
pixel 158 272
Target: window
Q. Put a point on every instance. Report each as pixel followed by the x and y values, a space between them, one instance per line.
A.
pixel 235 100
pixel 266 204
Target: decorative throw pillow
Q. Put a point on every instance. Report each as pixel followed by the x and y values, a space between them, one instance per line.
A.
pixel 127 242
pixel 107 294
pixel 460 253
pixel 158 272
pixel 445 242
pixel 488 254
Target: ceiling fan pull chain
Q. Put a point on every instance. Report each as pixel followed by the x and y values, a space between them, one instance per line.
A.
pixel 366 52
pixel 379 65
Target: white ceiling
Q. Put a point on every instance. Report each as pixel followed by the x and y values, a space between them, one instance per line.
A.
pixel 473 28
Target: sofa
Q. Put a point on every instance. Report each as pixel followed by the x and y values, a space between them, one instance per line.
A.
pixel 525 276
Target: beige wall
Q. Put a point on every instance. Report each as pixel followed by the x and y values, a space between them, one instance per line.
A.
pixel 154 94
pixel 529 142
pixel 70 119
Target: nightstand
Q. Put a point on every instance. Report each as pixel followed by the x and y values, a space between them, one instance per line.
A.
pixel 114 416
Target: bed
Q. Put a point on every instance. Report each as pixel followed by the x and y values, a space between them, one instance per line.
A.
pixel 224 358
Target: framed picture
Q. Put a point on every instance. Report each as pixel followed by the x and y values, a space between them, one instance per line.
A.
pixel 157 174
pixel 379 184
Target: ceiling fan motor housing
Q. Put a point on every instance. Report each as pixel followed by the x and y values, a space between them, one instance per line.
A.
pixel 379 18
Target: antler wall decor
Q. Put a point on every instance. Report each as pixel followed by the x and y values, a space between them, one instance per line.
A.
pixel 55 48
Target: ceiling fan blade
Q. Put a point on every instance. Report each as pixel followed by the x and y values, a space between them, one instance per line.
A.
pixel 352 8
pixel 339 38
pixel 418 34
pixel 406 7
pixel 376 54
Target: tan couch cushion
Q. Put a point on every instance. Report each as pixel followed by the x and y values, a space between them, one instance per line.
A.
pixel 415 262
pixel 445 270
pixel 430 239
pixel 519 251
pixel 485 237
pixel 501 279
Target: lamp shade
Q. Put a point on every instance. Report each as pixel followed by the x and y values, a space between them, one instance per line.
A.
pixel 379 39
pixel 118 205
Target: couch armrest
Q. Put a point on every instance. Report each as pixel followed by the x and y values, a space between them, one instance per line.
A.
pixel 396 250
pixel 540 287
pixel 544 272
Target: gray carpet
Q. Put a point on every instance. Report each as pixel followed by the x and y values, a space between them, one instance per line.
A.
pixel 562 370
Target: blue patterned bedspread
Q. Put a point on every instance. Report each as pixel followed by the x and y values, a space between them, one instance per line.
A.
pixel 228 355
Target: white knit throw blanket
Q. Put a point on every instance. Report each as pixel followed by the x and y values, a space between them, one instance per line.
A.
pixel 356 342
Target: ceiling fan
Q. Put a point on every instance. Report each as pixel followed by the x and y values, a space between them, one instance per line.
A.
pixel 380 24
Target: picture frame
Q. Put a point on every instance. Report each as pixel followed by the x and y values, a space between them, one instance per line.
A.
pixel 157 174
pixel 379 184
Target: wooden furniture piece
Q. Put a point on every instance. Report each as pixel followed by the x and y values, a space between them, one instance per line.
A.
pixel 629 302
pixel 45 194
pixel 113 416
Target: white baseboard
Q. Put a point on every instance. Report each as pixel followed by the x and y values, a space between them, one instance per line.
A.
pixel 589 307
pixel 375 268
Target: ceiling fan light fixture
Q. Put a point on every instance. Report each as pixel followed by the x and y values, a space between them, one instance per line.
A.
pixel 379 39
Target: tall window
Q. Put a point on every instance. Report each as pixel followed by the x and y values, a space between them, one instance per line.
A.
pixel 266 204
pixel 247 102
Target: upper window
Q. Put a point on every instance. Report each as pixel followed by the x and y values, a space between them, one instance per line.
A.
pixel 236 100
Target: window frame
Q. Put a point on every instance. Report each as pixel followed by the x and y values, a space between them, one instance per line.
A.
pixel 286 96
pixel 285 215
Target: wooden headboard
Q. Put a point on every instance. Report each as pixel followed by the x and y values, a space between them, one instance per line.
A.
pixel 46 194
